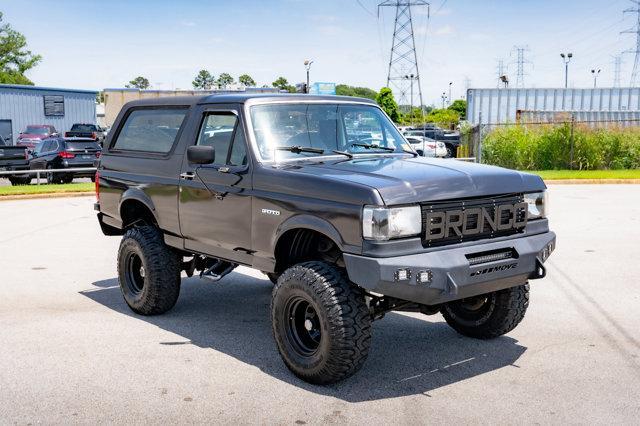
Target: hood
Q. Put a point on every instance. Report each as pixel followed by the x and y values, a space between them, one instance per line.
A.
pixel 32 136
pixel 401 180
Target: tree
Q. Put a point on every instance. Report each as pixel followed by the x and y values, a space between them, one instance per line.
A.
pixel 360 92
pixel 15 60
pixel 282 84
pixel 459 106
pixel 204 80
pixel 139 82
pixel 246 80
pixel 388 104
pixel 224 80
pixel 445 118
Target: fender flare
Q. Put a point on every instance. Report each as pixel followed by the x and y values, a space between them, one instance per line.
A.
pixel 137 195
pixel 313 223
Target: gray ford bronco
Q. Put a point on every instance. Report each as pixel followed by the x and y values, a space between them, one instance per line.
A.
pixel 326 197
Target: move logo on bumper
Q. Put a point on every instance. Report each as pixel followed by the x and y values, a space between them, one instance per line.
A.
pixel 494 269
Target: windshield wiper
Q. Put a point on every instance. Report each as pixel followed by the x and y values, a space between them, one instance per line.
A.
pixel 337 151
pixel 298 149
pixel 370 146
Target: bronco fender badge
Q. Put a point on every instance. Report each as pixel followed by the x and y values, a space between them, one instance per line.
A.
pixel 271 212
pixel 494 269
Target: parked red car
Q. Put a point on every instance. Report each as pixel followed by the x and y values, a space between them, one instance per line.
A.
pixel 34 134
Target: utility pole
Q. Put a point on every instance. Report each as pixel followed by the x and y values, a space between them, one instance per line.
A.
pixel 501 72
pixel 634 30
pixel 566 59
pixel 617 65
pixel 403 59
pixel 521 61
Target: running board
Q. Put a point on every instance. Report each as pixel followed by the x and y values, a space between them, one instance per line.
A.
pixel 218 270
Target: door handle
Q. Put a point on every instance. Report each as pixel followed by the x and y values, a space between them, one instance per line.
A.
pixel 187 175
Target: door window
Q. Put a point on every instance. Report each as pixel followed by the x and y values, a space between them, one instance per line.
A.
pixel 222 131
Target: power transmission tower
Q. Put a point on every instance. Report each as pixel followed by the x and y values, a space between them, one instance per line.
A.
pixel 634 30
pixel 520 62
pixel 467 85
pixel 617 65
pixel 500 72
pixel 403 62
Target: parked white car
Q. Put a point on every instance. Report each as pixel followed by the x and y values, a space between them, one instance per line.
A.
pixel 427 147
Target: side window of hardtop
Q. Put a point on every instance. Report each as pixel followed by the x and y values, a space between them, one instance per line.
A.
pixel 150 130
pixel 223 131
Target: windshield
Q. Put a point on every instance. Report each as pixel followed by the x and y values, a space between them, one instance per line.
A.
pixel 83 128
pixel 350 128
pixel 37 130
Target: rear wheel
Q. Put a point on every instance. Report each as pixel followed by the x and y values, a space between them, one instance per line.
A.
pixel 321 322
pixel 488 315
pixel 148 271
pixel 15 181
pixel 53 178
pixel 450 151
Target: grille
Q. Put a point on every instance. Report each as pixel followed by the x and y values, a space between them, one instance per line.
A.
pixel 487 203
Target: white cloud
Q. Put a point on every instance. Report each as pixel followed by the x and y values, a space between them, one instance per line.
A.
pixel 188 23
pixel 444 30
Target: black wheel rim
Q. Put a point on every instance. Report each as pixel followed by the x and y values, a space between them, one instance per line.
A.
pixel 135 274
pixel 303 326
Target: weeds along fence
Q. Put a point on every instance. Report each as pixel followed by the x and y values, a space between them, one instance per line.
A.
pixel 572 143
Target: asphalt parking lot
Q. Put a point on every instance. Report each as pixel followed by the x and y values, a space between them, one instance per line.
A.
pixel 72 352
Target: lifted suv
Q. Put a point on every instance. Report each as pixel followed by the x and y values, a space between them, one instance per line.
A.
pixel 326 197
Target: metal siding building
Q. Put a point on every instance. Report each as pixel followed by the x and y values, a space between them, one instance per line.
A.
pixel 499 106
pixel 24 105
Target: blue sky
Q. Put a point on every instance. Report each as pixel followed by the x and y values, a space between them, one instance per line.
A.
pixel 97 44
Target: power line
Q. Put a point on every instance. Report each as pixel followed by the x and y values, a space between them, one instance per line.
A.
pixel 634 30
pixel 403 61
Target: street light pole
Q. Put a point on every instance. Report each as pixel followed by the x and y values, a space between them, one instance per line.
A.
pixel 566 59
pixel 450 83
pixel 444 98
pixel 595 73
pixel 307 65
pixel 410 77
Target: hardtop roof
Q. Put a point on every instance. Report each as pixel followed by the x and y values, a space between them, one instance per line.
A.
pixel 241 98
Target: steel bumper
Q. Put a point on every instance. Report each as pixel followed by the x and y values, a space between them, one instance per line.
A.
pixel 451 272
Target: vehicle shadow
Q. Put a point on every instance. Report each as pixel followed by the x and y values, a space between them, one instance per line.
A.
pixel 408 355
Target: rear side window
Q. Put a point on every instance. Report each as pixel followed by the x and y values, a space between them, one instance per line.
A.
pixel 150 130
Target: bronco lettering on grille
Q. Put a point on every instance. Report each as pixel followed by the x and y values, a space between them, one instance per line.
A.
pixel 475 221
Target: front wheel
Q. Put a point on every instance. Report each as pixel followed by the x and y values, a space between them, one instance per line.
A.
pixel 148 271
pixel 321 322
pixel 489 315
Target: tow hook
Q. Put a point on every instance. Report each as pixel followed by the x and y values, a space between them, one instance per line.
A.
pixel 539 272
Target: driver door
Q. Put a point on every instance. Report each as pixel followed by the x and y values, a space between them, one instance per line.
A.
pixel 214 199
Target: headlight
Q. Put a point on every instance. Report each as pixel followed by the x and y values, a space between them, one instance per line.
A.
pixel 383 223
pixel 538 205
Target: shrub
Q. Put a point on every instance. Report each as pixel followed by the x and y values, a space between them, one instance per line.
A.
pixel 548 147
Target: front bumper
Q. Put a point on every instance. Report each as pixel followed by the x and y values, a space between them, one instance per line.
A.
pixel 452 276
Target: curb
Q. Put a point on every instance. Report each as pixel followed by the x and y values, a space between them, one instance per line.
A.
pixel 45 195
pixel 592 181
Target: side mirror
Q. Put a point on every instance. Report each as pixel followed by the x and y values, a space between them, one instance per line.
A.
pixel 201 154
